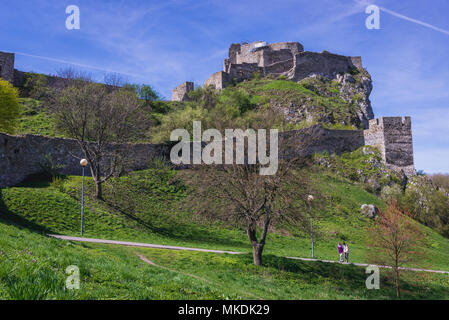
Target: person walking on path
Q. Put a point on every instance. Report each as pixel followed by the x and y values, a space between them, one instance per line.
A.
pixel 346 251
pixel 340 251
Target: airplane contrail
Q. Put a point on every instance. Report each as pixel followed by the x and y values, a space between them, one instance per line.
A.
pixel 401 16
pixel 78 64
pixel 422 23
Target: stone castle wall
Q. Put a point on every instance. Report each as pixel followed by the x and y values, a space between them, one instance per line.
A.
pixel 218 80
pixel 18 78
pixel 307 63
pixel 280 59
pixel 180 92
pixel 393 137
pixel 7 66
pixel 24 155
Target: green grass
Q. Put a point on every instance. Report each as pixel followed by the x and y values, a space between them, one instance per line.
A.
pixel 29 211
pixel 282 278
pixel 158 219
pixel 33 267
pixel 34 119
pixel 320 98
pixel 286 85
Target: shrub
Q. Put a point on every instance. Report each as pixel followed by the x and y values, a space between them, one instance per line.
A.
pixel 256 75
pixel 57 182
pixel 9 107
pixel 49 167
pixel 36 86
pixel 441 180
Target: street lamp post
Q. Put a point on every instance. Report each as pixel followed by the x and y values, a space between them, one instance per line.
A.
pixel 309 200
pixel 83 164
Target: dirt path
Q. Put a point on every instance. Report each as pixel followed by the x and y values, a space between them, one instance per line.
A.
pixel 160 246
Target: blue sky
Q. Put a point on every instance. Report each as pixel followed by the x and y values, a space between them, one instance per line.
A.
pixel 164 43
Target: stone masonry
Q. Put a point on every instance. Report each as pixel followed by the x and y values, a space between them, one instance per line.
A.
pixel 21 156
pixel 7 66
pixel 180 92
pixel 286 59
pixel 393 137
pixel 24 155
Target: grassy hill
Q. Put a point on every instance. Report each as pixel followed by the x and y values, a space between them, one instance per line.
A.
pixel 145 206
pixel 38 207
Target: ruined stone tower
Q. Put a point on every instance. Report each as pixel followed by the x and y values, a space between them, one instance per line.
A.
pixel 393 137
pixel 7 66
pixel 180 92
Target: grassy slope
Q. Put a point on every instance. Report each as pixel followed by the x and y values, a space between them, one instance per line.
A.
pixel 113 272
pixel 159 221
pixel 33 267
pixel 34 119
pixel 326 106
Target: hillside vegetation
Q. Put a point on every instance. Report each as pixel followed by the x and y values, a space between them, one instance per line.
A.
pixel 147 206
pixel 35 208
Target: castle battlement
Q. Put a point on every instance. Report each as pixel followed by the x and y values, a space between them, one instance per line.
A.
pixel 287 59
pixel 391 135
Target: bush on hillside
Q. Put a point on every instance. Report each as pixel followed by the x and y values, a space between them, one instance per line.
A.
pixel 9 107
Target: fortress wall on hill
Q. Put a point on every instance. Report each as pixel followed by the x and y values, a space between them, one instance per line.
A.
pixel 24 155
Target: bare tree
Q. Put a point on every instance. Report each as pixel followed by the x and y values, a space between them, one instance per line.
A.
pixel 394 239
pixel 71 76
pixel 115 80
pixel 102 121
pixel 239 194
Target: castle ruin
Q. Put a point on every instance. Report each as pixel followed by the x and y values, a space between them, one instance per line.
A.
pixel 7 66
pixel 286 59
pixel 393 137
pixel 20 156
pixel 180 92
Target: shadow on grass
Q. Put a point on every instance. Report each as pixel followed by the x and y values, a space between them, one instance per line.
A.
pixel 351 279
pixel 181 231
pixel 10 218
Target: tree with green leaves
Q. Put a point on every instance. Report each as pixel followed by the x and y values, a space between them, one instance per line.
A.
pixel 9 107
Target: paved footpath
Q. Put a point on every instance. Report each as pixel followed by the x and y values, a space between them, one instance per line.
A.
pixel 161 246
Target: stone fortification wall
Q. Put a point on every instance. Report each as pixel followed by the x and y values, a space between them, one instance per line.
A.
pixel 180 92
pixel 280 59
pixel 7 66
pixel 24 155
pixel 393 137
